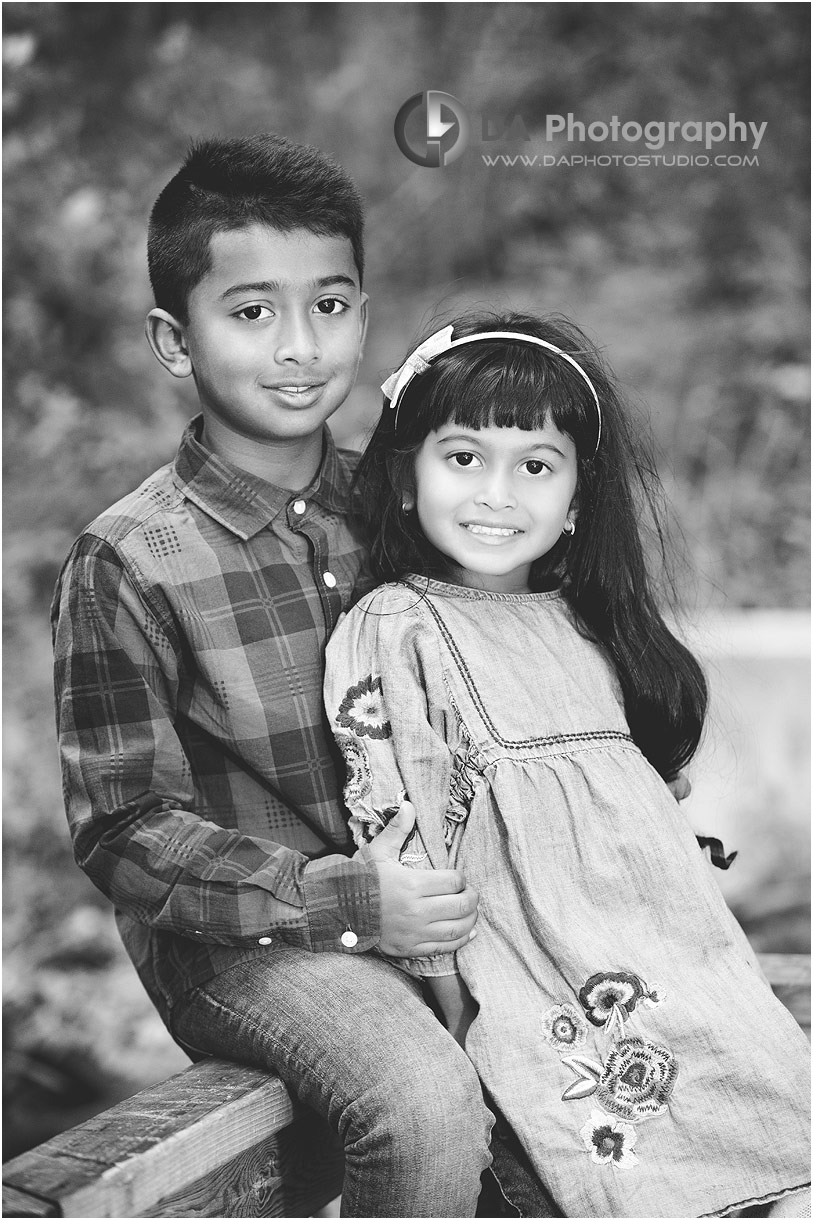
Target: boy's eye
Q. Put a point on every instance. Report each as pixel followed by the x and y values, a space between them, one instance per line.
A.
pixel 254 313
pixel 464 459
pixel 534 466
pixel 332 306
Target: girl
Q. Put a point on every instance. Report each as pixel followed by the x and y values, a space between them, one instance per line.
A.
pixel 516 681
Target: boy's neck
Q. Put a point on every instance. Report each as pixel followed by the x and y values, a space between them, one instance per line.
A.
pixel 291 463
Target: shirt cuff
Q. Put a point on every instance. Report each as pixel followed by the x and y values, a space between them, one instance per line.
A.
pixel 429 967
pixel 343 904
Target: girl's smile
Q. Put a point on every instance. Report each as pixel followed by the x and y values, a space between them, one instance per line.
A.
pixel 496 532
pixel 493 500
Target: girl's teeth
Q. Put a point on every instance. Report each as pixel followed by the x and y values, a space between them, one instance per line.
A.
pixel 491 529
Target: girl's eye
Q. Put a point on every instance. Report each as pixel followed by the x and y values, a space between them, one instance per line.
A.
pixel 534 466
pixel 254 313
pixel 332 306
pixel 465 459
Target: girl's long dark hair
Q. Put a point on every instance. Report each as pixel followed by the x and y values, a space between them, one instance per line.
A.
pixel 602 568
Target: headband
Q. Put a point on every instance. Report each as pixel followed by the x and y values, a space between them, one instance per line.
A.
pixel 419 361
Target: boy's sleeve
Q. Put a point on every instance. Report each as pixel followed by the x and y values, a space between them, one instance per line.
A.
pixel 389 714
pixel 129 790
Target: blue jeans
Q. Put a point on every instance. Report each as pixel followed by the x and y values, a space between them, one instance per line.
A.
pixel 352 1037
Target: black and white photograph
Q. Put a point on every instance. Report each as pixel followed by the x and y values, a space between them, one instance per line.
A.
pixel 406 609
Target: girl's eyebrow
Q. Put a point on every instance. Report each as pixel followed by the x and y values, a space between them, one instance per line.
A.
pixel 547 445
pixel 325 281
pixel 471 438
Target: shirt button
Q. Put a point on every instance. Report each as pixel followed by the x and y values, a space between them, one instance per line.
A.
pixel 329 579
pixel 349 939
pixel 264 940
pixel 299 506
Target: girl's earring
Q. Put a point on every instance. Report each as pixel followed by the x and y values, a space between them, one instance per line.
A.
pixel 569 527
pixel 406 506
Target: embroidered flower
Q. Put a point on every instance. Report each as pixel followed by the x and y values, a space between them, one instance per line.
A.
pixel 358 782
pixel 563 1027
pixel 609 1141
pixel 603 993
pixel 638 1078
pixel 362 710
pixel 655 995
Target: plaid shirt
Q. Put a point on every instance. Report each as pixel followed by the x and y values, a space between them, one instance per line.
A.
pixel 190 623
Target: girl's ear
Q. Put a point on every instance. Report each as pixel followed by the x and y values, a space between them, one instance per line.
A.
pixel 407 502
pixel 166 337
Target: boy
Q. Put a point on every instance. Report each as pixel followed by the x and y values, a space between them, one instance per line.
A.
pixel 190 622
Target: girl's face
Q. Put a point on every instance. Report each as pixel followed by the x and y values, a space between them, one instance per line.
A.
pixel 493 500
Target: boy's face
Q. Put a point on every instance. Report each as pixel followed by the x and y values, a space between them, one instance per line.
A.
pixel 275 333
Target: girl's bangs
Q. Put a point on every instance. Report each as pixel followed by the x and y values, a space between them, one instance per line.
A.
pixel 507 385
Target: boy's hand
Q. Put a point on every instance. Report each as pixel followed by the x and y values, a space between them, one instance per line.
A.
pixel 423 911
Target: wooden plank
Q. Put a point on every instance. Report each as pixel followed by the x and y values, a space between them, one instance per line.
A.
pixel 789 976
pixel 248 1185
pixel 295 1173
pixel 786 968
pixel 160 1112
pixel 156 1143
pixel 21 1203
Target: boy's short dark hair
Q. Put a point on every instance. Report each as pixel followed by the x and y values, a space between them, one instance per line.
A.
pixel 228 184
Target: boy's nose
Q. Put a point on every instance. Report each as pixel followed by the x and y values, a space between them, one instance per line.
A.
pixel 296 341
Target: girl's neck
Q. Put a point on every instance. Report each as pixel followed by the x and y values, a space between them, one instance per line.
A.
pixel 453 574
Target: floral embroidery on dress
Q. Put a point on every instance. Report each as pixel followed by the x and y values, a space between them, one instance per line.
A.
pixel 362 710
pixel 358 777
pixel 588 1073
pixel 655 995
pixel 631 1081
pixel 465 772
pixel 609 1141
pixel 638 1079
pixel 603 993
pixel 563 1027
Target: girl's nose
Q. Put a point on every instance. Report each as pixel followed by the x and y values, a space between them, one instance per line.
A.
pixel 496 492
pixel 296 340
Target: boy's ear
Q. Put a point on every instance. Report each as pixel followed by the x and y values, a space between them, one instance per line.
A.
pixel 166 337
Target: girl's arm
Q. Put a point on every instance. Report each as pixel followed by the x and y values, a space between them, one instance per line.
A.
pixel 456 1002
pixel 457 1005
pixel 387 705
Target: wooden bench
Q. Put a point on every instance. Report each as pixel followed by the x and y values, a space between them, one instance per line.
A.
pixel 221 1140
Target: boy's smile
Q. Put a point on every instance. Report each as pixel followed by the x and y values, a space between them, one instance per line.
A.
pixel 274 335
pixel 493 500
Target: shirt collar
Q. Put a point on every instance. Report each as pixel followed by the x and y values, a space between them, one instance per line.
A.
pixel 242 502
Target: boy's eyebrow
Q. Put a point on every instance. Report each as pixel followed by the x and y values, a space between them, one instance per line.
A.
pixel 325 281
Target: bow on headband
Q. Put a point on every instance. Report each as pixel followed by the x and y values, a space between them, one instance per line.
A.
pixel 419 361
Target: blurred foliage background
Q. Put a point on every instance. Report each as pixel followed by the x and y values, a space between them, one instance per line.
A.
pixel 694 279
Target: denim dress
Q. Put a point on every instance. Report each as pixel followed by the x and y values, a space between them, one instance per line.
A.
pixel 625 1029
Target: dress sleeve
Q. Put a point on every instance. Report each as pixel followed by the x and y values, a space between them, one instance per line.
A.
pixel 389 712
